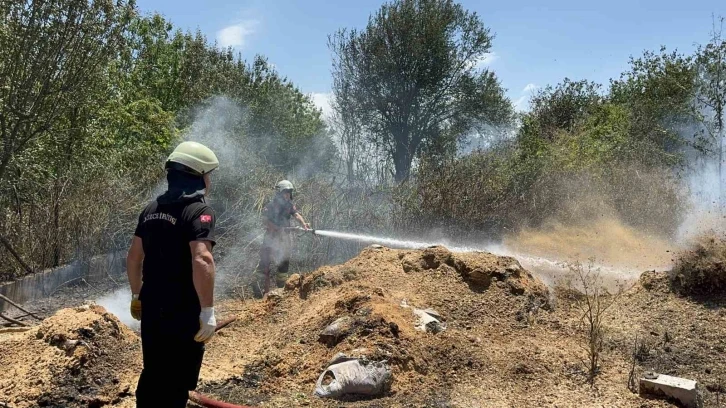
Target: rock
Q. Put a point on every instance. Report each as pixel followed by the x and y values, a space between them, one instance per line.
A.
pixel 275 294
pixel 432 313
pixel 435 256
pixel 427 322
pixel 410 266
pixel 681 389
pixel 336 331
pixel 512 268
pixel 435 327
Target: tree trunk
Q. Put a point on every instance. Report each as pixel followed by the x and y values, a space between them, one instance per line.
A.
pixel 56 224
pixel 403 155
pixel 15 255
pixel 719 127
pixel 4 164
pixel 402 163
pixel 351 173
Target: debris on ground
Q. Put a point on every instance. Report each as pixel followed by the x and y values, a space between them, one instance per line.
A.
pixel 701 269
pixel 335 331
pixel 680 389
pixel 427 320
pixel 81 357
pixel 346 376
pixel 274 353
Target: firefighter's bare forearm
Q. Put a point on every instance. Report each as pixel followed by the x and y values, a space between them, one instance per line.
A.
pixel 134 263
pixel 300 219
pixel 203 273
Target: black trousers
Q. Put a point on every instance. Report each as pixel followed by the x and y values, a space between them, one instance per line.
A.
pixel 172 359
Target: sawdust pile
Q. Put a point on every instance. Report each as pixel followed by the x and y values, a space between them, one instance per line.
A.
pixel 505 341
pixel 275 352
pixel 701 269
pixel 82 357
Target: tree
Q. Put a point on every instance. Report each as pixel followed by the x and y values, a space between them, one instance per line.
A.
pixel 415 80
pixel 347 127
pixel 52 53
pixel 658 90
pixel 560 107
pixel 711 60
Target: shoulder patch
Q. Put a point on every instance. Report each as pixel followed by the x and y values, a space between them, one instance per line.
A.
pixel 205 218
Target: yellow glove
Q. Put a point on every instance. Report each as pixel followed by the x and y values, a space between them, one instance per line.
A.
pixel 135 306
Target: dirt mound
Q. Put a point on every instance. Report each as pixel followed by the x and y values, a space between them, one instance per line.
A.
pixel 500 341
pixel 82 357
pixel 657 282
pixel 280 345
pixel 701 270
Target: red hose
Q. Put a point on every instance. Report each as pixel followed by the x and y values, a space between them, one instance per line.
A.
pixel 210 403
pixel 206 401
pixel 224 323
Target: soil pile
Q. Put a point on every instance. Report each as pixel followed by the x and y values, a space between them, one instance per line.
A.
pixel 277 349
pixel 701 269
pixel 82 357
pixel 503 340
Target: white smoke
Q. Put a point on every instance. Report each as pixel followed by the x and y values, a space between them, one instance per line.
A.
pixel 118 303
pixel 218 124
pixel 704 213
pixel 704 181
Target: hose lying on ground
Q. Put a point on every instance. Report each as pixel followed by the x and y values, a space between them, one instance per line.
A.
pixel 225 322
pixel 207 402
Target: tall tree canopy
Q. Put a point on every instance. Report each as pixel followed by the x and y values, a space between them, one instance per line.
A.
pixel 414 79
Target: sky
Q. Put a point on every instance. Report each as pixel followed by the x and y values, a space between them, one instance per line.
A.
pixel 536 42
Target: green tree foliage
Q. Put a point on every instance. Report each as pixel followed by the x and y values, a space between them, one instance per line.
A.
pixel 559 108
pixel 92 98
pixel 413 78
pixel 659 91
pixel 711 65
pixel 578 154
pixel 53 54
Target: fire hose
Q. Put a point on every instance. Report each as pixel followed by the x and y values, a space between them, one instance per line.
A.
pixel 225 323
pixel 205 401
pixel 299 229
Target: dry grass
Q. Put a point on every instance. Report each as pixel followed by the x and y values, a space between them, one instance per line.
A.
pixel 593 305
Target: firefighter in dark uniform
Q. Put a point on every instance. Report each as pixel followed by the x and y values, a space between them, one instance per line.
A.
pixel 171 272
pixel 277 243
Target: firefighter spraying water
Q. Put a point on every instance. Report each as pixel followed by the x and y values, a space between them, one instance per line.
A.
pixel 277 243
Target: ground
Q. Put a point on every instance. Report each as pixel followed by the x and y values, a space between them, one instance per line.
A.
pixel 508 340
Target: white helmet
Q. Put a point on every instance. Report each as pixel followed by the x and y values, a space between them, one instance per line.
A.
pixel 195 157
pixel 284 185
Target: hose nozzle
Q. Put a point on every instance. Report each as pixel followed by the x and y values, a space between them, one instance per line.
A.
pixel 300 229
